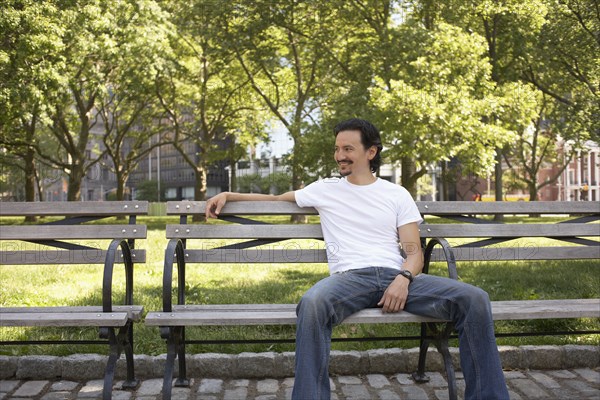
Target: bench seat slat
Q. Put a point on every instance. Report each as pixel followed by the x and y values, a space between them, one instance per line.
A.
pixel 542 309
pixel 284 314
pixel 267 317
pixel 80 232
pixel 32 257
pixel 74 208
pixel 63 319
pixel 134 312
pixel 313 231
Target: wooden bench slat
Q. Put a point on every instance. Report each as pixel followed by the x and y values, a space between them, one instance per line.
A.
pixel 507 207
pixel 284 314
pixel 542 309
pixel 535 308
pixel 268 318
pixel 240 208
pixel 425 207
pixel 509 230
pixel 244 231
pixel 66 232
pixel 295 255
pixel 248 256
pixel 74 208
pixel 313 231
pixel 134 312
pixel 62 319
pixel 269 307
pixel 33 257
pixel 520 253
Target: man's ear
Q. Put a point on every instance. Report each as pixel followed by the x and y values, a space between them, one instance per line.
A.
pixel 372 152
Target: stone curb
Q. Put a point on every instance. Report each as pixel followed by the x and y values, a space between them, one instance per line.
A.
pixel 279 365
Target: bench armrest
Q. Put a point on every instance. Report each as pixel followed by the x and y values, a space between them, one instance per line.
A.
pixel 448 253
pixel 109 263
pixel 173 253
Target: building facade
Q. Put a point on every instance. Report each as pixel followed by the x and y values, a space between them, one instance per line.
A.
pixel 580 180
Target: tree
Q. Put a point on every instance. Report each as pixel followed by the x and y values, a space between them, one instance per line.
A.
pixel 73 65
pixel 280 48
pixel 87 47
pixel 130 111
pixel 401 66
pixel 510 29
pixel 28 69
pixel 550 44
pixel 436 105
pixel 204 92
pixel 539 146
pixel 566 67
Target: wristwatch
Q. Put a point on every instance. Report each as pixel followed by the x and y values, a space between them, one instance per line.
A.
pixel 407 274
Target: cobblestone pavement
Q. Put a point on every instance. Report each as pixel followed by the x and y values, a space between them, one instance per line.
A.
pixel 548 384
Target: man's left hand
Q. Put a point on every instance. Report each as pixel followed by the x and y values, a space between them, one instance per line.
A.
pixel 394 297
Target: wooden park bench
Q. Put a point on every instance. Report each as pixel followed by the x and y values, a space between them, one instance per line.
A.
pixel 64 237
pixel 580 236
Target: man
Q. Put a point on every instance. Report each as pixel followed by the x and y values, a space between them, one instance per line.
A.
pixel 363 218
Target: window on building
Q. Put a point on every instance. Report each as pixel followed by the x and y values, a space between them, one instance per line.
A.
pixel 171 193
pixel 187 193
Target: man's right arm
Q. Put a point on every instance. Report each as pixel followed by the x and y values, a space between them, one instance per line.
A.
pixel 216 203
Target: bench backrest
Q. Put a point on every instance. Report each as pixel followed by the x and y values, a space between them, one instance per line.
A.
pixel 475 233
pixel 75 239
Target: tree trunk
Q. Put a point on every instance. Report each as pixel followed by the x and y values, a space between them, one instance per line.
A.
pixel 445 192
pixel 233 175
pixel 498 183
pixel 408 176
pixel 29 175
pixel 297 182
pixel 200 188
pixel 30 180
pixel 75 179
pixel 121 180
pixel 40 189
pixel 533 192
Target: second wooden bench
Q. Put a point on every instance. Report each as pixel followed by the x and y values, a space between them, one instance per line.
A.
pixel 64 237
pixel 483 232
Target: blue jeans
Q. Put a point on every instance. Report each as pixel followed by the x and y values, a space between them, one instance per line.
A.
pixel 340 295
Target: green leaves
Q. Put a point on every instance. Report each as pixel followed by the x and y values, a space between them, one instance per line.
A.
pixel 437 106
pixel 450 79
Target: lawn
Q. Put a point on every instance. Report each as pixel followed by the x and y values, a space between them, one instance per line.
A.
pixel 266 283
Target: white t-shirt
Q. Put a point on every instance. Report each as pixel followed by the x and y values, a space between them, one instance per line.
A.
pixel 360 222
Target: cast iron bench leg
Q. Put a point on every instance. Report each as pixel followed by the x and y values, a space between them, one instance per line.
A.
pixel 441 342
pixel 420 376
pixel 127 343
pixel 442 346
pixel 175 347
pixel 113 356
pixel 182 380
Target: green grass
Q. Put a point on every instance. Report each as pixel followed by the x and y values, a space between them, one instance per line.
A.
pixel 271 283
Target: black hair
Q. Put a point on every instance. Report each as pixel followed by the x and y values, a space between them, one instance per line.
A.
pixel 369 136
